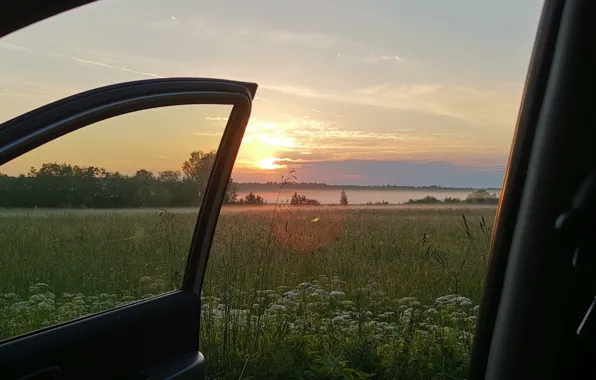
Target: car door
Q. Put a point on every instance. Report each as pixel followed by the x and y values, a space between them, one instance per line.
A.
pixel 161 333
pixel 535 319
pixel 154 338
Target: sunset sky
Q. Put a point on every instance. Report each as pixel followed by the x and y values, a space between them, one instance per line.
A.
pixel 410 92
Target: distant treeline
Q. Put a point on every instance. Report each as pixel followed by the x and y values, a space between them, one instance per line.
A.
pixel 274 186
pixel 63 185
pixel 475 197
pixel 55 185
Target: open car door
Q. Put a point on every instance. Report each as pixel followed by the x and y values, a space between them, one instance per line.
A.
pixel 537 315
pixel 150 338
pixel 157 338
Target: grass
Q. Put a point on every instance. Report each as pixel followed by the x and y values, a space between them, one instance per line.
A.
pixel 327 293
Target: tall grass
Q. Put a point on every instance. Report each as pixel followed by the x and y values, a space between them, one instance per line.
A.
pixel 303 293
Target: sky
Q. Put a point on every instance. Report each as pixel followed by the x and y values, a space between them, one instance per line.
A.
pixel 399 92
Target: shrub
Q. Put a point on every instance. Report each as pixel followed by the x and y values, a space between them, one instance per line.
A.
pixel 343 198
pixel 252 199
pixel 300 200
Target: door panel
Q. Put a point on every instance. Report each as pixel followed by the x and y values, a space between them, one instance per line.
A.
pixel 103 216
pixel 118 344
pixel 536 295
pixel 159 335
pixel 534 92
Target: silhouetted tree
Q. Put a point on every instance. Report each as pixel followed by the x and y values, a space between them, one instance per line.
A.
pixel 196 171
pixel 299 200
pixel 252 199
pixel 482 196
pixel 343 198
pixel 64 185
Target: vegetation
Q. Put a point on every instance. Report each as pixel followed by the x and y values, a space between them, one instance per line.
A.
pixel 343 198
pixel 303 293
pixel 67 186
pixel 274 186
pixel 251 199
pixel 378 203
pixel 475 197
pixel 302 200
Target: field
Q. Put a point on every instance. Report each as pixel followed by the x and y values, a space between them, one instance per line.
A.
pixel 327 293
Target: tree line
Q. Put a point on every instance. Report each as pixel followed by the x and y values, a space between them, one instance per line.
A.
pixel 55 185
pixel 481 196
pixel 62 185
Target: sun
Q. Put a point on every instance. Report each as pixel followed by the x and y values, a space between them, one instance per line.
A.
pixel 269 163
pixel 265 146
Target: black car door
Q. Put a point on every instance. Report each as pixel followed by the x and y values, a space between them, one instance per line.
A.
pixel 535 319
pixel 153 338
pixel 109 336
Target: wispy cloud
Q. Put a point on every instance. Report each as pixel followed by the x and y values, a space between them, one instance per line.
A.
pixel 476 105
pixel 161 157
pixel 9 46
pixel 199 133
pixel 77 59
pixel 310 40
pixel 106 65
pixel 380 58
pixel 303 140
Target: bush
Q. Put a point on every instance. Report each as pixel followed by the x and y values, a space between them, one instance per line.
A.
pixel 343 198
pixel 482 196
pixel 378 203
pixel 452 200
pixel 301 200
pixel 252 199
pixel 426 200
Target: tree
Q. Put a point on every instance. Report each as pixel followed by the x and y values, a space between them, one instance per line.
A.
pixel 252 199
pixel 299 200
pixel 482 196
pixel 65 185
pixel 169 176
pixel 144 175
pixel 343 198
pixel 198 167
pixel 196 171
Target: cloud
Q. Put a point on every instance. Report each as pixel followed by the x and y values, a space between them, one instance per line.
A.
pixel 380 58
pixel 108 66
pixel 53 54
pixel 6 45
pixel 161 157
pixel 200 133
pixel 479 106
pixel 309 40
pixel 300 141
pixel 385 172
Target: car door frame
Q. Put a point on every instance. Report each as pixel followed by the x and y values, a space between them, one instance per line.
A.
pixel 535 298
pixel 111 343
